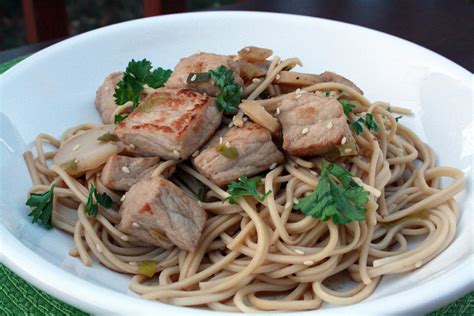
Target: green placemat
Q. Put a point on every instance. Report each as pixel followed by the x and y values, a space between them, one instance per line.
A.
pixel 17 297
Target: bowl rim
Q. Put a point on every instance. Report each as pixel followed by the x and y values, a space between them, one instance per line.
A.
pixel 85 295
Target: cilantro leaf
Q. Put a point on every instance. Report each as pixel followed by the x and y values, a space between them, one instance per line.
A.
pixel 136 75
pixel 94 199
pixel 119 118
pixel 230 94
pixel 346 106
pixel 371 123
pixel 244 188
pixel 41 205
pixel 158 77
pixel 343 201
pixel 356 126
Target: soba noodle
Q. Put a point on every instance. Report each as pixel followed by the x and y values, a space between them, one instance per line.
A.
pixel 261 256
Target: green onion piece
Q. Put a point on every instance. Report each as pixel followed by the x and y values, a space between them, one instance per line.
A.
pixel 348 149
pixel 70 166
pixel 148 268
pixel 108 137
pixel 195 77
pixel 228 152
pixel 158 236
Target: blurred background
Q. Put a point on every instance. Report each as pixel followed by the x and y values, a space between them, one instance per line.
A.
pixel 444 26
pixel 30 21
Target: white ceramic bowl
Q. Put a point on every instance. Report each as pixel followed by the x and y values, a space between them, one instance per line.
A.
pixel 55 89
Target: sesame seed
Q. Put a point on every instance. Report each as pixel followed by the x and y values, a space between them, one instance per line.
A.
pixel 256 80
pixel 231 124
pixel 295 201
pixel 418 264
pixel 176 153
pixel 329 126
pixel 193 77
pixel 343 141
pixel 132 146
pixel 125 169
pixel 297 96
pixel 247 49
pixel 273 166
pixel 277 77
pixel 245 119
pixel 124 238
pixel 308 263
pixel 132 263
pixel 305 131
pixel 75 147
pixel 300 252
pixel 122 198
pixel 298 91
pixel 314 173
pixel 75 160
pixel 135 224
pixel 348 150
pixel 227 144
pixel 200 203
pixel 220 140
pixel 99 248
pixel 278 111
pixel 195 153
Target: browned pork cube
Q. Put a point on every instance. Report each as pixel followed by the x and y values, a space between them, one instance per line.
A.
pixel 158 212
pixel 170 123
pixel 313 124
pixel 255 153
pixel 200 63
pixel 328 76
pixel 104 98
pixel 121 172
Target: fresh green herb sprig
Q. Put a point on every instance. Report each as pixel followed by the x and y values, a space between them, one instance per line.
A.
pixel 343 201
pixel 136 76
pixel 346 106
pixel 230 94
pixel 41 205
pixel 369 120
pixel 94 199
pixel 245 187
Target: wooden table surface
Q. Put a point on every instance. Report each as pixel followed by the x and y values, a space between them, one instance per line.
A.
pixel 444 26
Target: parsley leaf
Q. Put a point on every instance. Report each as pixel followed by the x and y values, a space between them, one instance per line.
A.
pixel 371 123
pixel 92 207
pixel 230 94
pixel 356 126
pixel 119 118
pixel 346 106
pixel 41 205
pixel 344 202
pixel 137 74
pixel 158 77
pixel 244 188
pixel 398 118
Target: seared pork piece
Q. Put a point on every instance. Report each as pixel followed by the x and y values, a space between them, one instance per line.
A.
pixel 121 172
pixel 198 63
pixel 104 97
pixel 328 76
pixel 170 123
pixel 313 124
pixel 158 212
pixel 255 153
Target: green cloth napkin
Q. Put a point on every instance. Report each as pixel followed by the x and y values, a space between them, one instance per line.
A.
pixel 17 297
